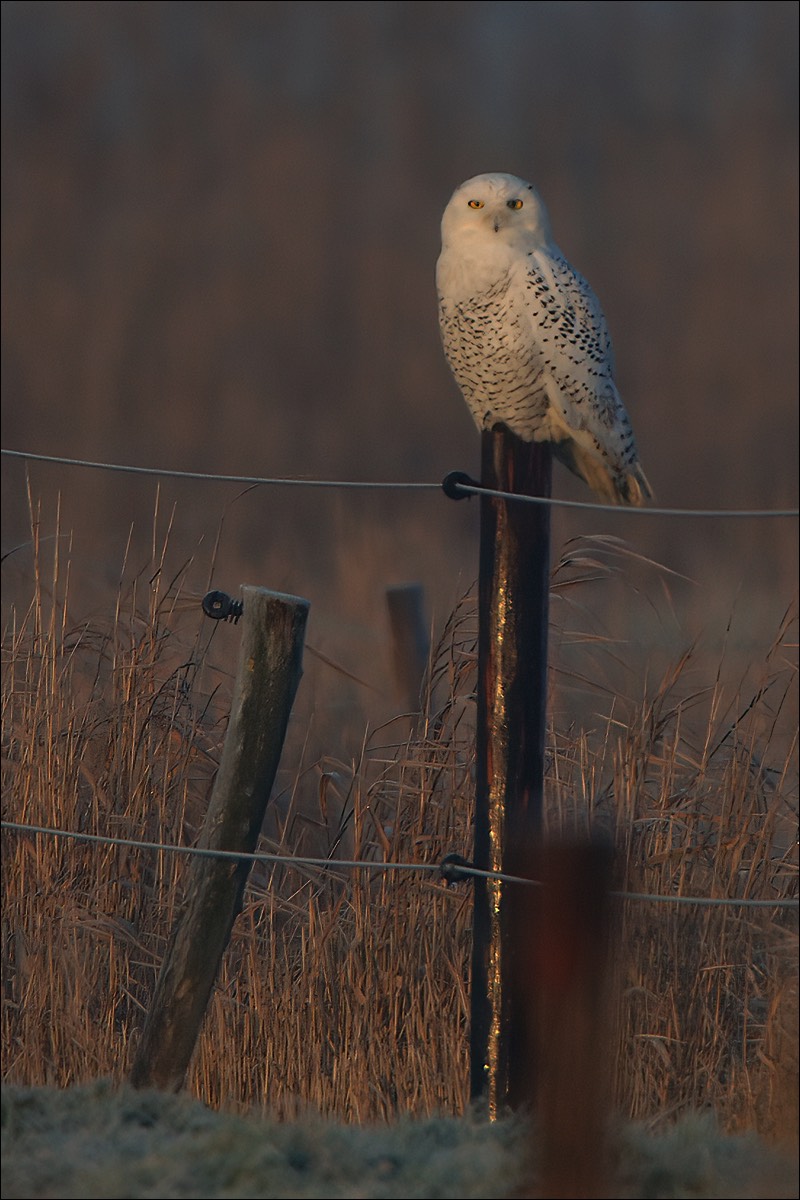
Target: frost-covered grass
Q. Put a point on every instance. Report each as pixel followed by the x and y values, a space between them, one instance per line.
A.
pixel 99 1142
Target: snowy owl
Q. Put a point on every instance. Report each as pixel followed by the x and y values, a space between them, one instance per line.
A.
pixel 526 338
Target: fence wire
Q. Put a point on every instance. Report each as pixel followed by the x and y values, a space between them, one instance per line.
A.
pixel 449 871
pixel 465 487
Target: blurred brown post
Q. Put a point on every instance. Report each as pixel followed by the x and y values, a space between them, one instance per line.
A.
pixel 270 666
pixel 410 640
pixel 560 936
pixel 513 594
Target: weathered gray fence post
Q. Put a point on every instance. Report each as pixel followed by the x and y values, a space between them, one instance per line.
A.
pixel 410 640
pixel 513 593
pixel 270 666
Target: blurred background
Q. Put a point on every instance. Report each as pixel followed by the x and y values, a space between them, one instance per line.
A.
pixel 220 226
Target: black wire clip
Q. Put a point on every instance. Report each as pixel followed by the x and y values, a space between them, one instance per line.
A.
pixel 453 479
pixel 221 607
pixel 450 867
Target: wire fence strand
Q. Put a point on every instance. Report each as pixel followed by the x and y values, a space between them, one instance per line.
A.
pixel 467 489
pixel 465 869
pixel 476 489
pixel 300 481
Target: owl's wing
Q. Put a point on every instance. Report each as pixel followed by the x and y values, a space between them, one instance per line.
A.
pixel 592 430
pixel 567 316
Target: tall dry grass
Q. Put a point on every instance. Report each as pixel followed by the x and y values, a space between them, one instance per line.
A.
pixel 346 991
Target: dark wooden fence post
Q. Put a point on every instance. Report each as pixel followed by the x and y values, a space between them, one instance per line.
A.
pixel 513 593
pixel 562 998
pixel 270 665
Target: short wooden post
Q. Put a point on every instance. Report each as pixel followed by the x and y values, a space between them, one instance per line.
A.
pixel 410 640
pixel 561 996
pixel 513 594
pixel 270 666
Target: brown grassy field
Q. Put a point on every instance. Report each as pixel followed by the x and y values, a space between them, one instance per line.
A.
pixel 220 224
pixel 346 992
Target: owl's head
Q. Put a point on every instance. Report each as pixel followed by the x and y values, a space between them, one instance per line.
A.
pixel 496 206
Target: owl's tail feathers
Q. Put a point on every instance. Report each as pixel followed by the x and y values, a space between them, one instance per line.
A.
pixel 628 486
pixel 633 487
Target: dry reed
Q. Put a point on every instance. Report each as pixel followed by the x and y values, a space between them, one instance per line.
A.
pixel 347 992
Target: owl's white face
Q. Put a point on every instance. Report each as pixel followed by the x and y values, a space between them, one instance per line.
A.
pixel 498 208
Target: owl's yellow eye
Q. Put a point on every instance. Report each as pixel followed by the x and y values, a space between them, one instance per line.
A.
pixel 515 204
pixel 475 203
